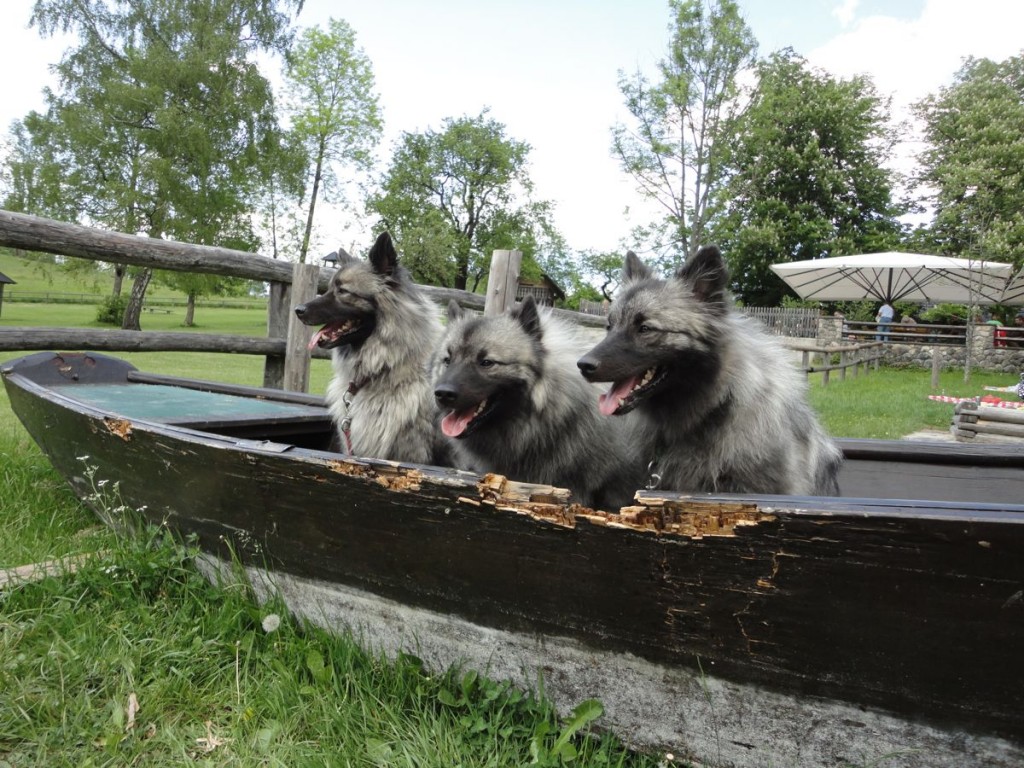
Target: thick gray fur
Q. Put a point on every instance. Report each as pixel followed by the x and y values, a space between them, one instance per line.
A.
pixel 726 409
pixel 545 427
pixel 392 412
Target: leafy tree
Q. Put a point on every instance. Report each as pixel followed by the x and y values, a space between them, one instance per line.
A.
pixel 602 268
pixel 682 124
pixel 335 117
pixel 163 118
pixel 973 167
pixel 453 196
pixel 808 176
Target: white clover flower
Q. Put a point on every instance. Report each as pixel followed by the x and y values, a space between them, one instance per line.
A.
pixel 271 622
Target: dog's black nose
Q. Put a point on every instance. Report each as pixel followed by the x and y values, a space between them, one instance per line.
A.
pixel 300 310
pixel 587 366
pixel 446 394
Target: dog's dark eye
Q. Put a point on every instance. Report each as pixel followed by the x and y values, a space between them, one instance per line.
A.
pixel 486 363
pixel 447 360
pixel 644 328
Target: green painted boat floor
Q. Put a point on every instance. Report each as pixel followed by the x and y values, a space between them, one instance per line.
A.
pixel 157 402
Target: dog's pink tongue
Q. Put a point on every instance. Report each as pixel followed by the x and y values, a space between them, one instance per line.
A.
pixel 454 424
pixel 316 338
pixel 608 403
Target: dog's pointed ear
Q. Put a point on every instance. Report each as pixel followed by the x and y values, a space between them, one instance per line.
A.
pixel 706 275
pixel 343 255
pixel 528 316
pixel 383 256
pixel 633 269
pixel 454 310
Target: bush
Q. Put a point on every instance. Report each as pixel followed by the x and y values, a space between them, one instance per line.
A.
pixel 946 314
pixel 111 310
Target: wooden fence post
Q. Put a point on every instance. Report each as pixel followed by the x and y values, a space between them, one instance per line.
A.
pixel 503 281
pixel 278 312
pixel 297 355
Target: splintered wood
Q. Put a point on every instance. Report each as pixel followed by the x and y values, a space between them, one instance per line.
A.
pixel 692 518
pixel 542 502
pixel 684 517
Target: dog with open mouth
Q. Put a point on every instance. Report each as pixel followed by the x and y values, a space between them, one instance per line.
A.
pixel 381 330
pixel 513 404
pixel 720 404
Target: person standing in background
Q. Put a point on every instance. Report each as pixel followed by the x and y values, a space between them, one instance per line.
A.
pixel 884 320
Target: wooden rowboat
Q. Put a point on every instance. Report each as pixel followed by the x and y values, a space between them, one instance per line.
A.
pixel 885 627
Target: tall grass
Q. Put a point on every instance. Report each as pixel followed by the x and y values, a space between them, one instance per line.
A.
pixel 135 659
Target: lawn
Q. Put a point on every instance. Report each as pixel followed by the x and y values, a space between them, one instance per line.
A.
pixel 35 273
pixel 891 403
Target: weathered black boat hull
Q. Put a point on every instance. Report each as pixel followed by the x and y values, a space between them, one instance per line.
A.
pixel 830 629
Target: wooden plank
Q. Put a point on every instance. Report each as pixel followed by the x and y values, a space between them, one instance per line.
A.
pixel 297 353
pixel 38 571
pixel 278 306
pixel 999 428
pixel 503 281
pixel 221 387
pixel 20 338
pixel 35 233
pixel 1004 415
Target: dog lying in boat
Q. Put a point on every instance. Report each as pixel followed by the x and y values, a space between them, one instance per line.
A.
pixel 381 331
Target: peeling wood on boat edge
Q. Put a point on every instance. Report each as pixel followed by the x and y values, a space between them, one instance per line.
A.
pixel 691 519
pixel 120 427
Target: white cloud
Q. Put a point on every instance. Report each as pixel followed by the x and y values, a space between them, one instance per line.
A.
pixel 845 11
pixel 909 59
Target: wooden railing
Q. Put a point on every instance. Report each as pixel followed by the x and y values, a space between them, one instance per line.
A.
pixel 823 359
pixel 287 357
pixel 792 322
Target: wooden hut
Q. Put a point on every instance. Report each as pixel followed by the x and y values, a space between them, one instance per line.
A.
pixel 4 280
pixel 544 291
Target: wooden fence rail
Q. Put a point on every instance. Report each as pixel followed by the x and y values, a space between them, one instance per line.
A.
pixel 817 358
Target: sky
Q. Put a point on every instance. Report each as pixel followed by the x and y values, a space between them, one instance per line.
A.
pixel 548 70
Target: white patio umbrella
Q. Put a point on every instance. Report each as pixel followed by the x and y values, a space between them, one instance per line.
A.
pixel 890 277
pixel 1014 293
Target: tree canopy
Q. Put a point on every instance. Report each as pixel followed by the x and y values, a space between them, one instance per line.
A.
pixel 682 124
pixel 453 196
pixel 972 171
pixel 162 120
pixel 335 118
pixel 808 176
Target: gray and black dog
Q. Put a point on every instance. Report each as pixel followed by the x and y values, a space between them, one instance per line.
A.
pixel 381 331
pixel 720 403
pixel 513 404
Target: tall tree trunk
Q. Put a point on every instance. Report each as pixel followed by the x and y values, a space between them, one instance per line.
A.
pixel 119 270
pixel 462 273
pixel 190 310
pixel 312 199
pixel 133 311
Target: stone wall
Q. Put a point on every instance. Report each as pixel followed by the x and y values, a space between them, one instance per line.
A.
pixel 985 355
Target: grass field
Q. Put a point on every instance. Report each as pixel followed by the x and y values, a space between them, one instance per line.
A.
pixel 38 273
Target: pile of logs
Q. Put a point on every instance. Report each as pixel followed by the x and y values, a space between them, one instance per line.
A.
pixel 971 419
